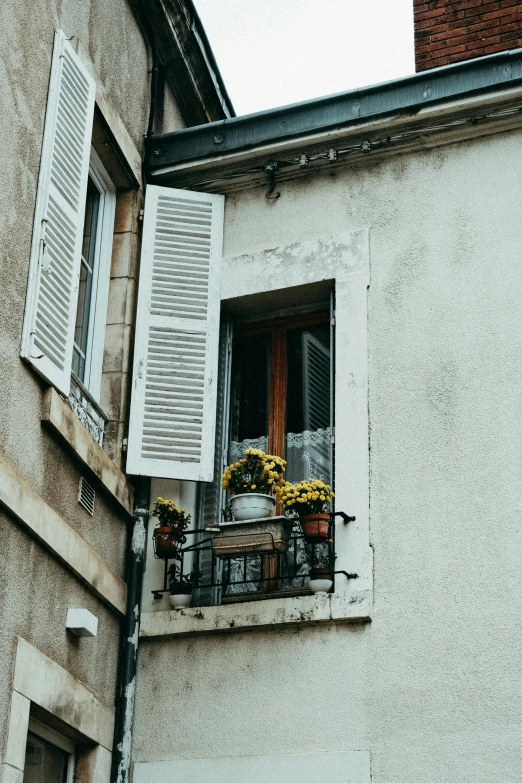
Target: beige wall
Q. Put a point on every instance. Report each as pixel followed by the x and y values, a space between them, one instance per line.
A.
pixel 35 589
pixel 432 686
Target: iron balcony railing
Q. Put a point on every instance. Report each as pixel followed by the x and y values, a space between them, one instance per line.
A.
pixel 254 575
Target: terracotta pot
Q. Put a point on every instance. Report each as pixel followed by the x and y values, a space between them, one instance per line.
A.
pixel 315 526
pixel 323 572
pixel 167 542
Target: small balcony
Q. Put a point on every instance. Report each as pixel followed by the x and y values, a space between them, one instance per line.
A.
pixel 235 567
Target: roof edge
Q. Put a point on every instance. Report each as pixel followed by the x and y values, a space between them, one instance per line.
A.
pixel 406 95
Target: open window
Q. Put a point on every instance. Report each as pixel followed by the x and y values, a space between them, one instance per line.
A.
pixel 275 393
pixel 69 268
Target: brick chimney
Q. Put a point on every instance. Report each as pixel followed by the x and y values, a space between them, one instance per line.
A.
pixel 448 31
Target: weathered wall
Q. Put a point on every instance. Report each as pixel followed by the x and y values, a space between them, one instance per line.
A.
pixel 35 590
pixel 432 686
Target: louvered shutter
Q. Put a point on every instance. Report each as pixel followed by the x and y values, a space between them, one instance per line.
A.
pixel 173 404
pixel 48 333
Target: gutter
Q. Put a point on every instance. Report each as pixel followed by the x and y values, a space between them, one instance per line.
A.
pixel 406 96
pixel 126 685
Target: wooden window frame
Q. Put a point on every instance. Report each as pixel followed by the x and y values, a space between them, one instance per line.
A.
pixel 278 329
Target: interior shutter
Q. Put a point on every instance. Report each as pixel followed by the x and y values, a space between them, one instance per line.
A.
pixel 48 333
pixel 174 388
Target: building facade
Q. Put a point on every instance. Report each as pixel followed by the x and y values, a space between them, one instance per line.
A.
pixel 335 282
pixel 76 104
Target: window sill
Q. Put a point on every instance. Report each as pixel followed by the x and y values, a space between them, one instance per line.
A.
pixel 61 420
pixel 348 606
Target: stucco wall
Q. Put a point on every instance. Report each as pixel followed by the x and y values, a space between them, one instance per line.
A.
pixel 432 686
pixel 36 590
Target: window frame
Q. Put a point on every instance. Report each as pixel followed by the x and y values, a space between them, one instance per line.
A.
pixel 101 277
pixel 52 737
pixel 278 329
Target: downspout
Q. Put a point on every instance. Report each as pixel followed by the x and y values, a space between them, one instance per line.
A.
pixel 126 685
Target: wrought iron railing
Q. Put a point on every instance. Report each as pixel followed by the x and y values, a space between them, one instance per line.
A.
pixel 254 575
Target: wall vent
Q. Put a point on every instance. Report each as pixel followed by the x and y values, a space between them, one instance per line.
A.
pixel 86 495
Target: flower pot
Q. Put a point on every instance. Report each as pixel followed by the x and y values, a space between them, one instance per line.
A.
pixel 252 505
pixel 166 542
pixel 180 600
pixel 315 526
pixel 271 534
pixel 320 585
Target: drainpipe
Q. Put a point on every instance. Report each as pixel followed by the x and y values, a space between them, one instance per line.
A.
pixel 126 686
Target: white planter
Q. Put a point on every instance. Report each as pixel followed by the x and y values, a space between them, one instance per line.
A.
pixel 180 600
pixel 320 585
pixel 252 505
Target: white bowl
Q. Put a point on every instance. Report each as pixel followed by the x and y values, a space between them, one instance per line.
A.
pixel 252 505
pixel 180 600
pixel 320 585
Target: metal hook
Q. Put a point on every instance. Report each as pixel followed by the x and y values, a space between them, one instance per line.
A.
pixel 270 170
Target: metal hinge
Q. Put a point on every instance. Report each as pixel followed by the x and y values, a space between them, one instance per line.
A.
pixel 124 444
pixel 332 436
pixel 140 216
pixel 332 321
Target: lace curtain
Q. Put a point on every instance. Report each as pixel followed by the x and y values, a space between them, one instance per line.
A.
pixel 307 453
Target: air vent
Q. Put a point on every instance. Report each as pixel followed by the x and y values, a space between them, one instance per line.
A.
pixel 86 496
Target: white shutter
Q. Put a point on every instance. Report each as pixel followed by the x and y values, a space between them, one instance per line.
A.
pixel 174 388
pixel 48 333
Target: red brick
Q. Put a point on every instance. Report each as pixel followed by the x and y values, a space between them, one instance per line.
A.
pixel 430 14
pixel 508 28
pixel 495 14
pixel 459 31
pixel 451 50
pixel 495 48
pixel 514 36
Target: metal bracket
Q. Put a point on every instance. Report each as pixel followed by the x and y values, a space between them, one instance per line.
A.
pixel 270 171
pixel 344 516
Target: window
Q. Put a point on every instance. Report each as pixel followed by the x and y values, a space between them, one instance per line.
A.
pixel 49 757
pixel 275 393
pixel 93 285
pixel 280 393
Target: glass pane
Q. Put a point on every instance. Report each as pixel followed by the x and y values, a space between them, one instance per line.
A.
pixel 83 311
pixel 44 763
pixel 308 433
pixel 250 388
pixel 248 429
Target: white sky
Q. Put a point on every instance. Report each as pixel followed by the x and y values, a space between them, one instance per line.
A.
pixel 275 52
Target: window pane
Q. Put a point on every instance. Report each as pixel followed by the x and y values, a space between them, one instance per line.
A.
pixel 308 433
pixel 83 312
pixel 250 387
pixel 44 763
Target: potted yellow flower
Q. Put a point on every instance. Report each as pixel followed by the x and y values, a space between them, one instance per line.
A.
pixel 172 523
pixel 252 482
pixel 309 500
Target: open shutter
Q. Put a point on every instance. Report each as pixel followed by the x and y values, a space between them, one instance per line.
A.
pixel 48 333
pixel 174 388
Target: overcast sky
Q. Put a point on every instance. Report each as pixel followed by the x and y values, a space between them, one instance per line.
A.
pixel 275 52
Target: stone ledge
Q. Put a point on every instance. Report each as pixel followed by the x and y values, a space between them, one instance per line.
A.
pixel 347 606
pixel 60 538
pixel 60 419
